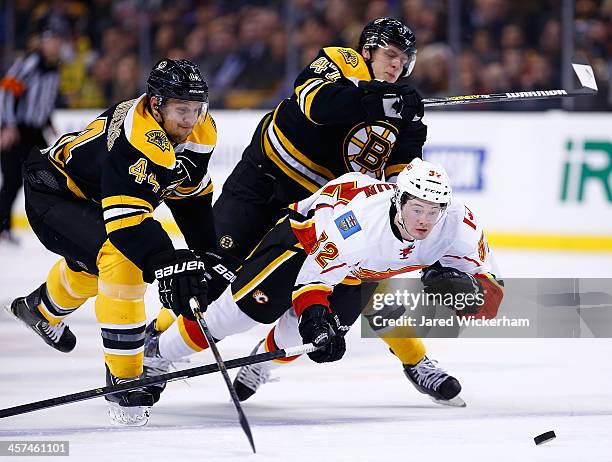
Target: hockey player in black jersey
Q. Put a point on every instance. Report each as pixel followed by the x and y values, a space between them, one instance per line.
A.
pixel 349 113
pixel 90 199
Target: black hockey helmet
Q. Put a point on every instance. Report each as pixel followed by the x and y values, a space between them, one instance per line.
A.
pixel 177 78
pixel 383 32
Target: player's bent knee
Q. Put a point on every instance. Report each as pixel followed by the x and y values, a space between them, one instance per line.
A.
pixel 70 289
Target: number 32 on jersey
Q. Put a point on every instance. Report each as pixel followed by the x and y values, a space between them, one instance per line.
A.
pixel 328 253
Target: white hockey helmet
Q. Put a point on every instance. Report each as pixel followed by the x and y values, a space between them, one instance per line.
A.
pixel 423 180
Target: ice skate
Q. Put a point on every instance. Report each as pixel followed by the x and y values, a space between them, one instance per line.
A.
pixel 432 380
pixel 251 377
pixel 25 309
pixel 128 408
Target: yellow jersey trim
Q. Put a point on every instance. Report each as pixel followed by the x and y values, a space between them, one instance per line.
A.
pixel 394 169
pixel 71 185
pixel 145 134
pixel 263 274
pixel 125 200
pixel 126 222
pixel 351 64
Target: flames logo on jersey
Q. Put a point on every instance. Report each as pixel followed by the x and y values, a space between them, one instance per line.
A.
pixel 405 253
pixel 158 138
pixel 350 57
pixel 482 248
pixel 260 297
pixel 368 146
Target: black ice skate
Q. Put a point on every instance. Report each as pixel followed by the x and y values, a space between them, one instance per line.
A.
pixel 432 380
pixel 251 377
pixel 128 408
pixel 25 309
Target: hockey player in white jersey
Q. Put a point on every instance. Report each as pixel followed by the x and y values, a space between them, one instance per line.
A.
pixel 353 229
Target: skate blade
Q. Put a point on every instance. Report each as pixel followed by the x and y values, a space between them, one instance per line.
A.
pixel 454 402
pixel 7 307
pixel 13 316
pixel 135 416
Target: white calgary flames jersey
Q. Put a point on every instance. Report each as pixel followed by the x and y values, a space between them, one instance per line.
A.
pixel 348 233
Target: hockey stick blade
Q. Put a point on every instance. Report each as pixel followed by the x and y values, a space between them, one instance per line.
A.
pixel 583 71
pixel 168 377
pixel 586 76
pixel 244 423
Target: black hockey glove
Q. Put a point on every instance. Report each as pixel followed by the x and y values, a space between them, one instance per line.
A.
pixel 181 275
pixel 413 108
pixel 315 328
pixel 465 291
pixel 391 100
pixel 220 272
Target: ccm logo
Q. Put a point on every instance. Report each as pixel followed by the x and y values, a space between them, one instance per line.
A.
pixel 179 268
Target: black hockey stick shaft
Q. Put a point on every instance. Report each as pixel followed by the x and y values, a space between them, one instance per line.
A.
pixel 499 97
pixel 244 423
pixel 168 377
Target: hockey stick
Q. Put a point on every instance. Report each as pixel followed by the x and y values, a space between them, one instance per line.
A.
pixel 168 377
pixel 583 71
pixel 244 423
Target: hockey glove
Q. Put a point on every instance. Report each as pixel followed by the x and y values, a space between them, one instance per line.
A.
pixel 220 272
pixel 391 100
pixel 412 108
pixel 180 275
pixel 464 289
pixel 315 328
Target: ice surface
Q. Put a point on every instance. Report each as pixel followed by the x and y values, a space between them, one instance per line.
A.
pixel 361 408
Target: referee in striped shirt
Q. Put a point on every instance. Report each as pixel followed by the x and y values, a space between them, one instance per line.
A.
pixel 28 94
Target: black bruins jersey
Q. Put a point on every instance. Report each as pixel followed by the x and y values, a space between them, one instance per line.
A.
pixel 124 161
pixel 319 133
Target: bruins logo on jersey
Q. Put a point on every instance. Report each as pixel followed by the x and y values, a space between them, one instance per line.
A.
pixel 349 56
pixel 368 146
pixel 158 138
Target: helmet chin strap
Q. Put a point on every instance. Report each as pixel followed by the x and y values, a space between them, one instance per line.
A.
pixel 400 222
pixel 368 62
pixel 162 124
pixel 157 107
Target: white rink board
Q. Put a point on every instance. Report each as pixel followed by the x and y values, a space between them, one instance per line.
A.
pixel 524 167
pixel 519 159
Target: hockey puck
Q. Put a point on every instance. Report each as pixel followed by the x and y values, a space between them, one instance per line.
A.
pixel 544 437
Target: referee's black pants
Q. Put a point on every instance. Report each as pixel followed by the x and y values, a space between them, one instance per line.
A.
pixel 11 161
